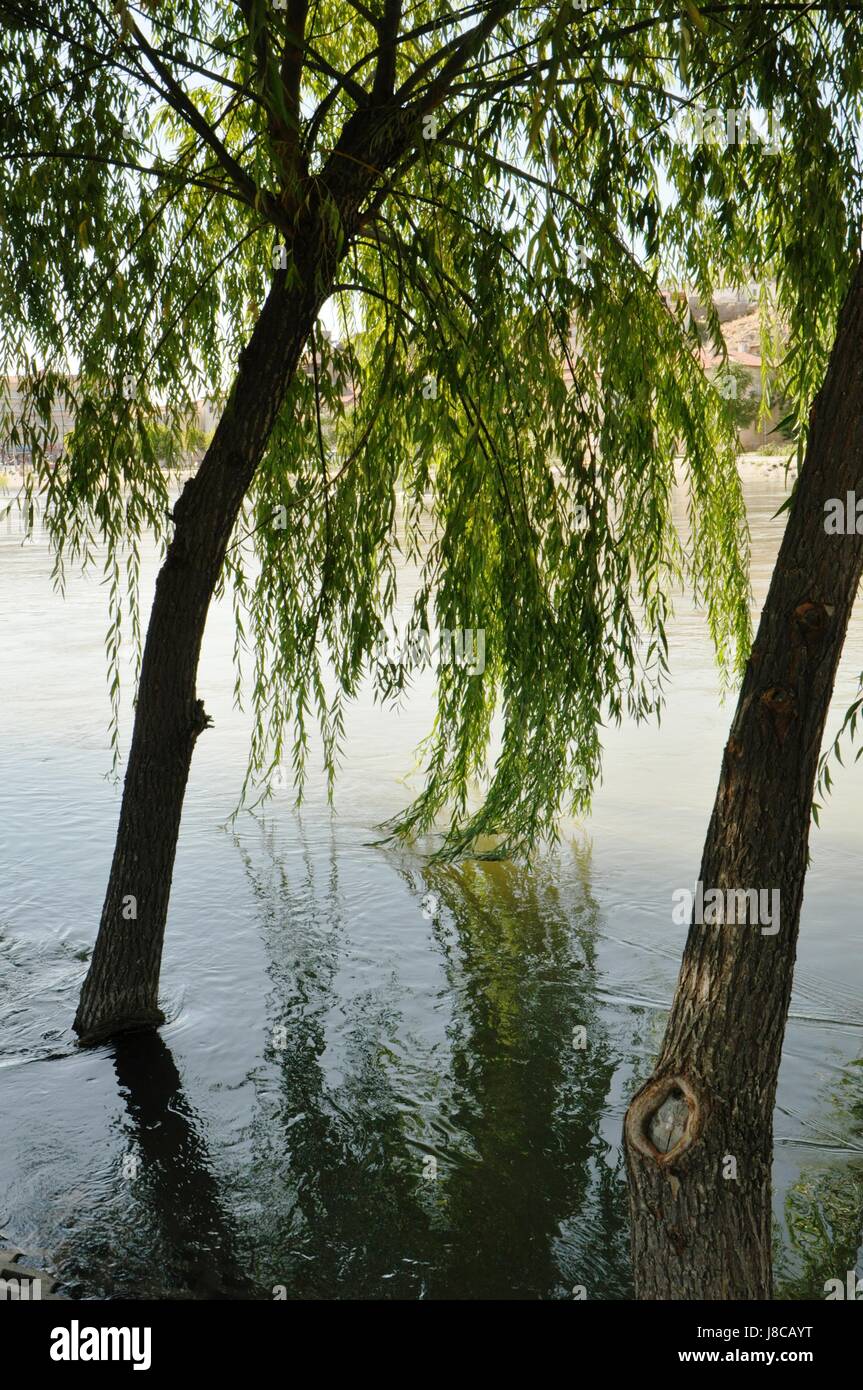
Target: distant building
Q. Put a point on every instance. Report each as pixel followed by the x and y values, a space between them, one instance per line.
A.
pixel 741 332
pixel 62 419
pixel 13 455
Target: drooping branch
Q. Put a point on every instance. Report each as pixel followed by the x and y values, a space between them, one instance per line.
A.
pixel 181 177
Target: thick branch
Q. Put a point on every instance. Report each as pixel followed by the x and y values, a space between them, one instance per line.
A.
pixel 292 56
pixel 460 51
pixel 385 72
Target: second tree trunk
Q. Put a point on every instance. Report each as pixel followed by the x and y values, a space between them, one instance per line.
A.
pixel 699 1135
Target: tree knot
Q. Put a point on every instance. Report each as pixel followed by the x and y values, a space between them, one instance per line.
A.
pixel 780 703
pixel 664 1120
pixel 181 506
pixel 813 620
pixel 200 719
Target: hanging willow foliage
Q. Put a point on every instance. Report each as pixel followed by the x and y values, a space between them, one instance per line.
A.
pixel 508 389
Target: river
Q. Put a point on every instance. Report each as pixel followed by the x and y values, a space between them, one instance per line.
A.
pixel 371 1083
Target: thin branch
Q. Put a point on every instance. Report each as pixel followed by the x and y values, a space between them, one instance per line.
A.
pixel 177 175
pixel 185 107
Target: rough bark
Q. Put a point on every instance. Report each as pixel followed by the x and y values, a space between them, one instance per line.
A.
pixel 697 1231
pixel 120 992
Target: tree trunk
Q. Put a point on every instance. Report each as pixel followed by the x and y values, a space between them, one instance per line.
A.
pixel 120 992
pixel 698 1136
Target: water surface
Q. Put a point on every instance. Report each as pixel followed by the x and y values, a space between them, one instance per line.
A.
pixel 369 1085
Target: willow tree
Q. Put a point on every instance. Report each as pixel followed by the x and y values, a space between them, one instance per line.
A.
pixel 186 187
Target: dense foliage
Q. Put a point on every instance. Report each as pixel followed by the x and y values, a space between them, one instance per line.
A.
pixel 506 388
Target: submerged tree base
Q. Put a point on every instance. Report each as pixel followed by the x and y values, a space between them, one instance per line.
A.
pixel 98 1032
